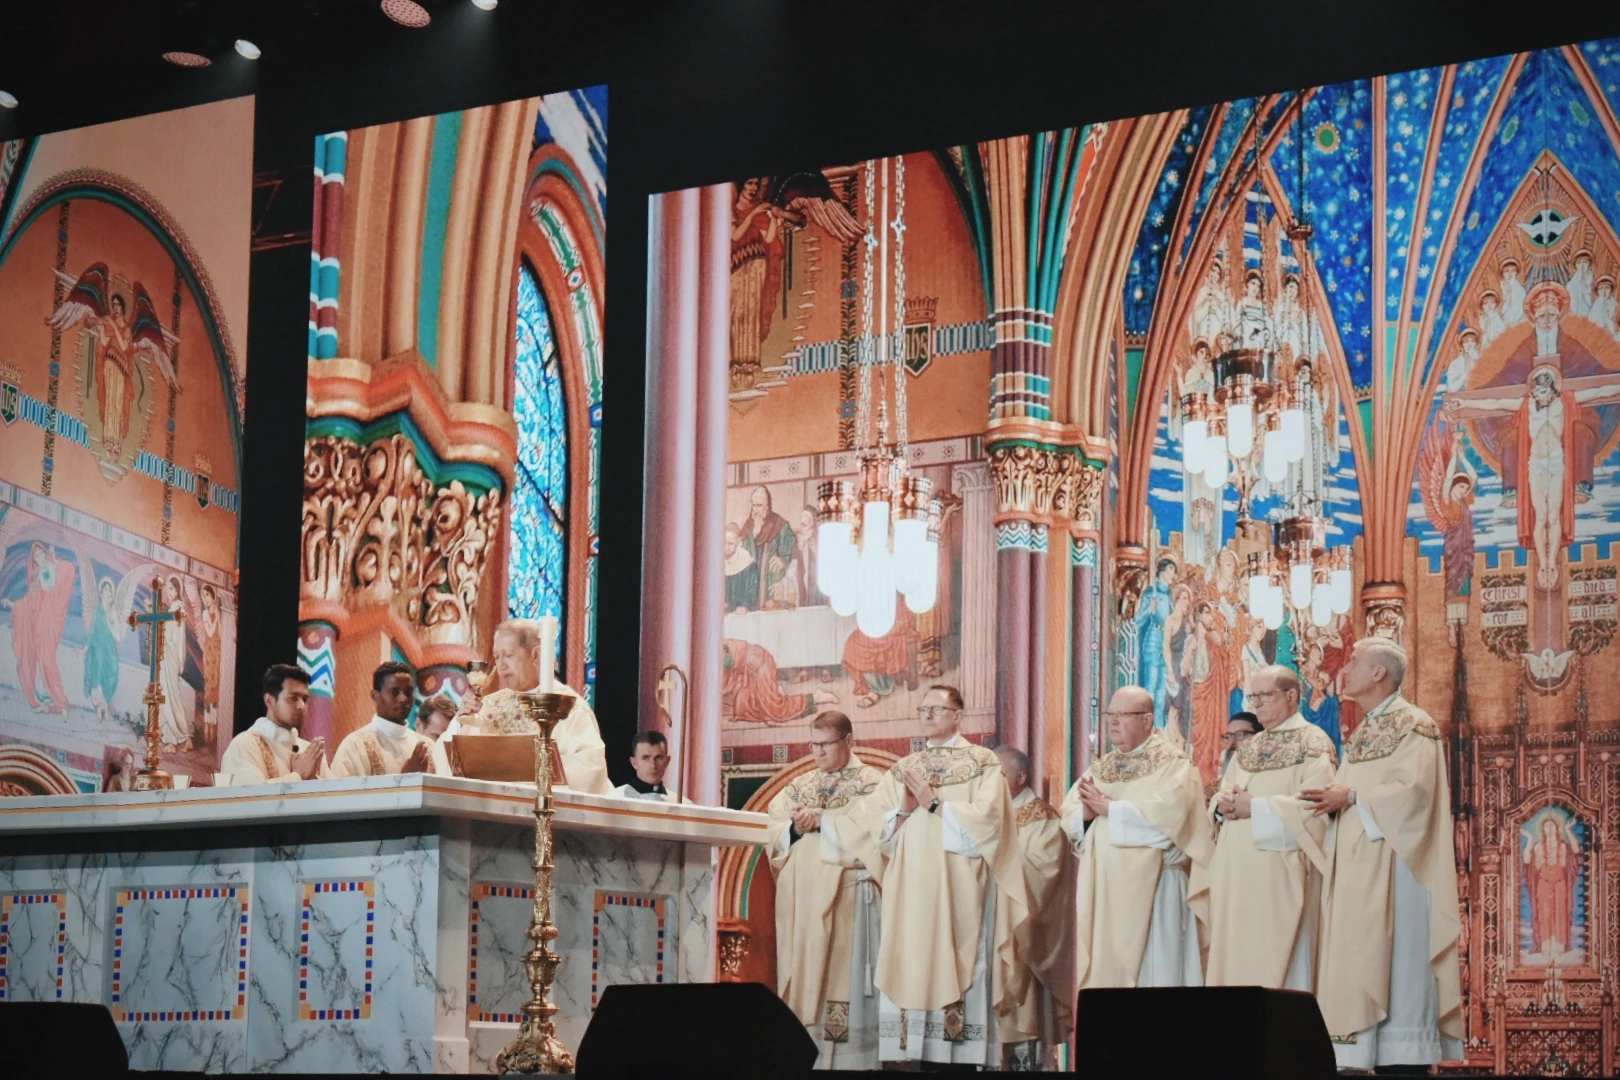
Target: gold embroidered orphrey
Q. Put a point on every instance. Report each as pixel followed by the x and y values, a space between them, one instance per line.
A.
pixel 848 785
pixel 1031 812
pixel 946 766
pixel 1283 749
pixel 1118 767
pixel 835 1025
pixel 1379 736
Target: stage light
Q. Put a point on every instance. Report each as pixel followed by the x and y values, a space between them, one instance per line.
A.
pixel 247 49
pixel 187 59
pixel 485 5
pixel 407 13
pixel 7 100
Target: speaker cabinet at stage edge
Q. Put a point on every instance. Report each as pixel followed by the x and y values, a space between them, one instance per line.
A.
pixel 59 1038
pixel 1221 1033
pixel 688 1031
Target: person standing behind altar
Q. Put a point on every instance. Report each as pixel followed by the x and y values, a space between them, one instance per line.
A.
pixel 434 717
pixel 1265 880
pixel 518 655
pixel 649 757
pixel 386 746
pixel 1038 981
pixel 824 853
pixel 1389 986
pixel 1138 822
pixel 271 749
pixel 943 817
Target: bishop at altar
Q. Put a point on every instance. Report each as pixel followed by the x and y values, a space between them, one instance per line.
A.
pixel 1389 985
pixel 824 853
pixel 1138 824
pixel 1265 880
pixel 944 820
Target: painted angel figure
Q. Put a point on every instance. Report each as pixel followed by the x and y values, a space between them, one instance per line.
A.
pixel 107 604
pixel 177 718
pixel 1211 316
pixel 1447 480
pixel 765 211
pixel 94 301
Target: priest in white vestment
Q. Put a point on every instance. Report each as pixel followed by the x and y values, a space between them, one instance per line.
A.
pixel 1389 986
pixel 649 758
pixel 385 746
pixel 1040 980
pixel 1265 880
pixel 271 749
pixel 1138 824
pixel 824 853
pixel 517 662
pixel 944 820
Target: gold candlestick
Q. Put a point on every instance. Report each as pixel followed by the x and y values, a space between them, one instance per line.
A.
pixel 537 1048
pixel 152 777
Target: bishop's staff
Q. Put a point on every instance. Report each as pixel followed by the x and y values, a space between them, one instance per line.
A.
pixel 666 686
pixel 152 777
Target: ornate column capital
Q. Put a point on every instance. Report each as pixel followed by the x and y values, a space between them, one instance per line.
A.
pixel 1130 578
pixel 1385 605
pixel 1046 474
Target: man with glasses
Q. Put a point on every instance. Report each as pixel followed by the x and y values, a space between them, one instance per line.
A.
pixel 1238 730
pixel 1390 990
pixel 1038 976
pixel 944 818
pixel 1265 880
pixel 824 853
pixel 1137 821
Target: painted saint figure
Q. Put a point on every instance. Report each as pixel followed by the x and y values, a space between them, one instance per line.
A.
pixel 1212 307
pixel 1552 864
pixel 37 621
pixel 1448 481
pixel 742 575
pixel 1152 613
pixel 767 536
pixel 1512 293
pixel 1581 284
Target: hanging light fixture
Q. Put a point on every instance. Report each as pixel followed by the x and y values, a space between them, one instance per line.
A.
pixel 878 539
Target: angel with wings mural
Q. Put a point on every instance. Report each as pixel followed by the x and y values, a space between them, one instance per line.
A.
pixel 123 325
pixel 1448 480
pixel 768 210
pixel 107 602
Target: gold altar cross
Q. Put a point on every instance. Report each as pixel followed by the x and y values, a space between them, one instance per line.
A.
pixel 152 777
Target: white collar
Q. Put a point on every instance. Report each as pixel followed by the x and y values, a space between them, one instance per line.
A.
pixel 1383 706
pixel 1023 797
pixel 1141 746
pixel 388 730
pixel 273 733
pixel 952 741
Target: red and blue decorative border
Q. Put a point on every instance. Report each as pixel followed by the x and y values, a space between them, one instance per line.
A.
pixel 656 903
pixel 14 900
pixel 311 888
pixel 474 1011
pixel 126 898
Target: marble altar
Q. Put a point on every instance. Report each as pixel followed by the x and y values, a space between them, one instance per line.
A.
pixel 347 925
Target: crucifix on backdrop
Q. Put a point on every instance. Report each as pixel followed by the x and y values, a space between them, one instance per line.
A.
pixel 152 777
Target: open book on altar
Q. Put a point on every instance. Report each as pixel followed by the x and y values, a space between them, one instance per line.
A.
pixel 506 757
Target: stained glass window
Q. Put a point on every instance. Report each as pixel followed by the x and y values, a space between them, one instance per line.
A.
pixel 539 506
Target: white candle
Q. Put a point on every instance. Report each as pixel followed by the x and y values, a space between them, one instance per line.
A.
pixel 548 654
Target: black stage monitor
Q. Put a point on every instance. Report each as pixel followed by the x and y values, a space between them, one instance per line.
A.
pixel 1221 1033
pixel 58 1038
pixel 694 1031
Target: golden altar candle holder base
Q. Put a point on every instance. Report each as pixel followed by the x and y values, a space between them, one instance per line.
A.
pixel 537 1048
pixel 152 777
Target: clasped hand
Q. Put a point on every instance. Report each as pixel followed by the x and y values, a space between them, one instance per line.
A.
pixel 307 762
pixel 918 791
pixel 1234 805
pixel 1327 800
pixel 805 820
pixel 1092 800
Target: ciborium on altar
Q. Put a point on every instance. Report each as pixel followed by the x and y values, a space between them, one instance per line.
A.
pixel 537 1048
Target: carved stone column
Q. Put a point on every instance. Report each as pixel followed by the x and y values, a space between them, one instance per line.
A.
pixel 979 624
pixel 1385 605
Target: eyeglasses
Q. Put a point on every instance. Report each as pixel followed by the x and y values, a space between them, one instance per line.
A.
pixel 814 745
pixel 1109 714
pixel 1235 736
pixel 926 711
pixel 1262 695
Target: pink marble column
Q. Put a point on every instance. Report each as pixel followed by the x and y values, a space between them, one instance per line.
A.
pixel 1013 644
pixel 688 359
pixel 1087 653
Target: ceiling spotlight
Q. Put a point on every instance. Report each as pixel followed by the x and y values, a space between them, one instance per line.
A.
pixel 485 5
pixel 187 59
pixel 407 13
pixel 7 100
pixel 247 49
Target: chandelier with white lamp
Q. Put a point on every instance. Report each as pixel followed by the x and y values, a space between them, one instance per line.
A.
pixel 878 538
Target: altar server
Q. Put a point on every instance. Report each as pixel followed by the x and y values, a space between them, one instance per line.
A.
pixel 1038 980
pixel 1389 987
pixel 649 757
pixel 271 749
pixel 1265 881
pixel 517 662
pixel 944 820
pixel 1137 819
pixel 386 746
pixel 824 853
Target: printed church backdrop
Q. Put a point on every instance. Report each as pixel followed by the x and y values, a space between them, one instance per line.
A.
pixel 455 395
pixel 1449 320
pixel 123 317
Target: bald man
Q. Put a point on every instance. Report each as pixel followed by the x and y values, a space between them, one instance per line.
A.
pixel 1265 880
pixel 1136 819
